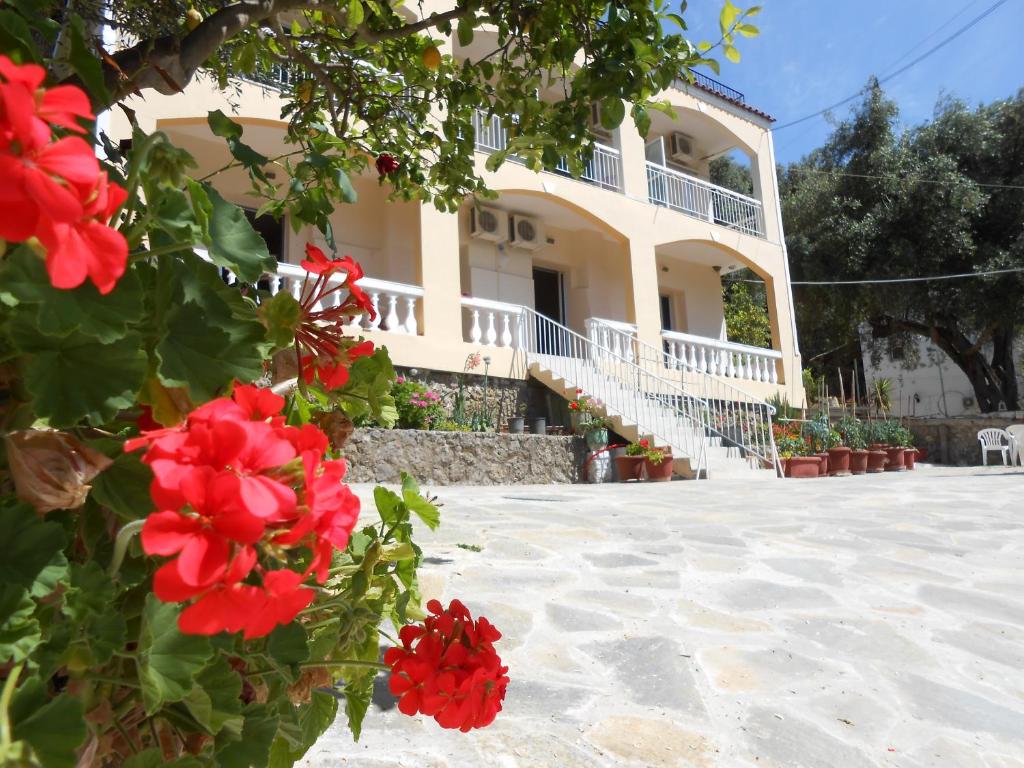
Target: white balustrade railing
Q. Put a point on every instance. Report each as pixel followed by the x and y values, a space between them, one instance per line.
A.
pixel 741 420
pixel 603 168
pixel 395 304
pixel 720 358
pixel 494 323
pixel 603 334
pixel 704 200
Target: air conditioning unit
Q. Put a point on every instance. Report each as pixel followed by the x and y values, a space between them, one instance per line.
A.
pixel 682 148
pixel 526 233
pixel 599 131
pixel 489 224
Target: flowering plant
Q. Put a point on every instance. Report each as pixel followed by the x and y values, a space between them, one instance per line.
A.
pixel 187 581
pixel 419 407
pixel 643 447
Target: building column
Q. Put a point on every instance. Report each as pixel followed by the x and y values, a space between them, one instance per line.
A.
pixel 634 160
pixel 440 274
pixel 646 301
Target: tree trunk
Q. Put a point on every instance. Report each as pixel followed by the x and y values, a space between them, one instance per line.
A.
pixel 994 382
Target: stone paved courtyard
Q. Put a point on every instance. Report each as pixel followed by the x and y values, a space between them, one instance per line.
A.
pixel 871 621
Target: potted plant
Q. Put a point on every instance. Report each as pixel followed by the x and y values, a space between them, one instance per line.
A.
pixel 595 432
pixel 538 425
pixel 803 463
pixel 838 454
pixel 517 424
pixel 852 430
pixel 658 464
pixel 631 465
pixel 892 429
pixel 818 435
pixel 906 442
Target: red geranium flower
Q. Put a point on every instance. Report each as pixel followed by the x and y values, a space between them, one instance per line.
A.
pixel 448 669
pixel 28 108
pixel 386 164
pixel 231 480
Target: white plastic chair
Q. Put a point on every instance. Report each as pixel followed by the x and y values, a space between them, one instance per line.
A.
pixel 995 440
pixel 1016 431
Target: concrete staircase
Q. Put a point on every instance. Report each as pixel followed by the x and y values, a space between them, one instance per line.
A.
pixel 636 414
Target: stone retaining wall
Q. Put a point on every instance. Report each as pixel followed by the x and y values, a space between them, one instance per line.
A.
pixel 462 458
pixel 955 440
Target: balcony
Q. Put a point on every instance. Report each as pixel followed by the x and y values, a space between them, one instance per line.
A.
pixel 602 169
pixel 720 358
pixel 704 200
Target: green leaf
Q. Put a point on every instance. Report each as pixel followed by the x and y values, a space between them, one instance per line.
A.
pixel 727 18
pixel 214 701
pixel 344 185
pixel 78 378
pixel 91 591
pixel 53 727
pixel 59 313
pixel 613 110
pixel 201 356
pixel 16 36
pixel 85 62
pixel 465 30
pixel 388 504
pixel 748 30
pixel 29 544
pixel 287 644
pixel 168 660
pixel 426 511
pixel 355 13
pixel 281 315
pixel 123 487
pixel 154 758
pixel 19 628
pixel 233 243
pixel 223 126
pixel 252 748
pixel 731 53
pixel 358 694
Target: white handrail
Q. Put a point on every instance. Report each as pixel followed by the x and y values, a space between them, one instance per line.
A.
pixel 736 416
pixel 657 406
pixel 704 200
pixel 721 358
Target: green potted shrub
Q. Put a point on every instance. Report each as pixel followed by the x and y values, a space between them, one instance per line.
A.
pixel 838 454
pixel 907 443
pixel 852 430
pixel 819 435
pixel 874 436
pixel 595 432
pixel 631 465
pixel 658 464
pixel 894 452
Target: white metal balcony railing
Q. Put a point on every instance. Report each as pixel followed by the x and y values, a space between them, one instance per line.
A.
pixel 603 168
pixel 494 323
pixel 721 358
pixel 704 200
pixel 395 304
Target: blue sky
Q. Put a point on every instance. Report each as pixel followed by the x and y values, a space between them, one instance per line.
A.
pixel 812 53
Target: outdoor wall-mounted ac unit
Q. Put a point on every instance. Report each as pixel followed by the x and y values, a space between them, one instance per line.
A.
pixel 600 132
pixel 526 233
pixel 489 224
pixel 682 148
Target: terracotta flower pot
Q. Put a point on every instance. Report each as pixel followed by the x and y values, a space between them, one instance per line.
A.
pixel 909 457
pixel 895 456
pixel 661 472
pixel 839 461
pixel 784 461
pixel 823 469
pixel 858 462
pixel 922 454
pixel 876 461
pixel 629 467
pixel 804 466
pixel 878 446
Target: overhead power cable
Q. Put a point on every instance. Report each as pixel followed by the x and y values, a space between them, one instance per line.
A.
pixel 880 281
pixel 944 42
pixel 799 169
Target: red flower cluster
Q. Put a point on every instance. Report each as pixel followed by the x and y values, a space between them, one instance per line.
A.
pixel 447 669
pixel 238 491
pixel 644 443
pixel 324 350
pixel 55 191
pixel 386 164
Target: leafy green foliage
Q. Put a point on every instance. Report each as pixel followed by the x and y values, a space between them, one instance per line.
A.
pixel 746 312
pixel 875 204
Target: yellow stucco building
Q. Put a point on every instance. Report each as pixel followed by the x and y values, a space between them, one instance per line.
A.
pixel 610 282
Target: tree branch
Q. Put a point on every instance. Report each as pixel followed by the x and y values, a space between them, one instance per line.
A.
pixel 433 20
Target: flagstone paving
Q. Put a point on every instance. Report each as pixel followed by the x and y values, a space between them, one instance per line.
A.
pixel 867 621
